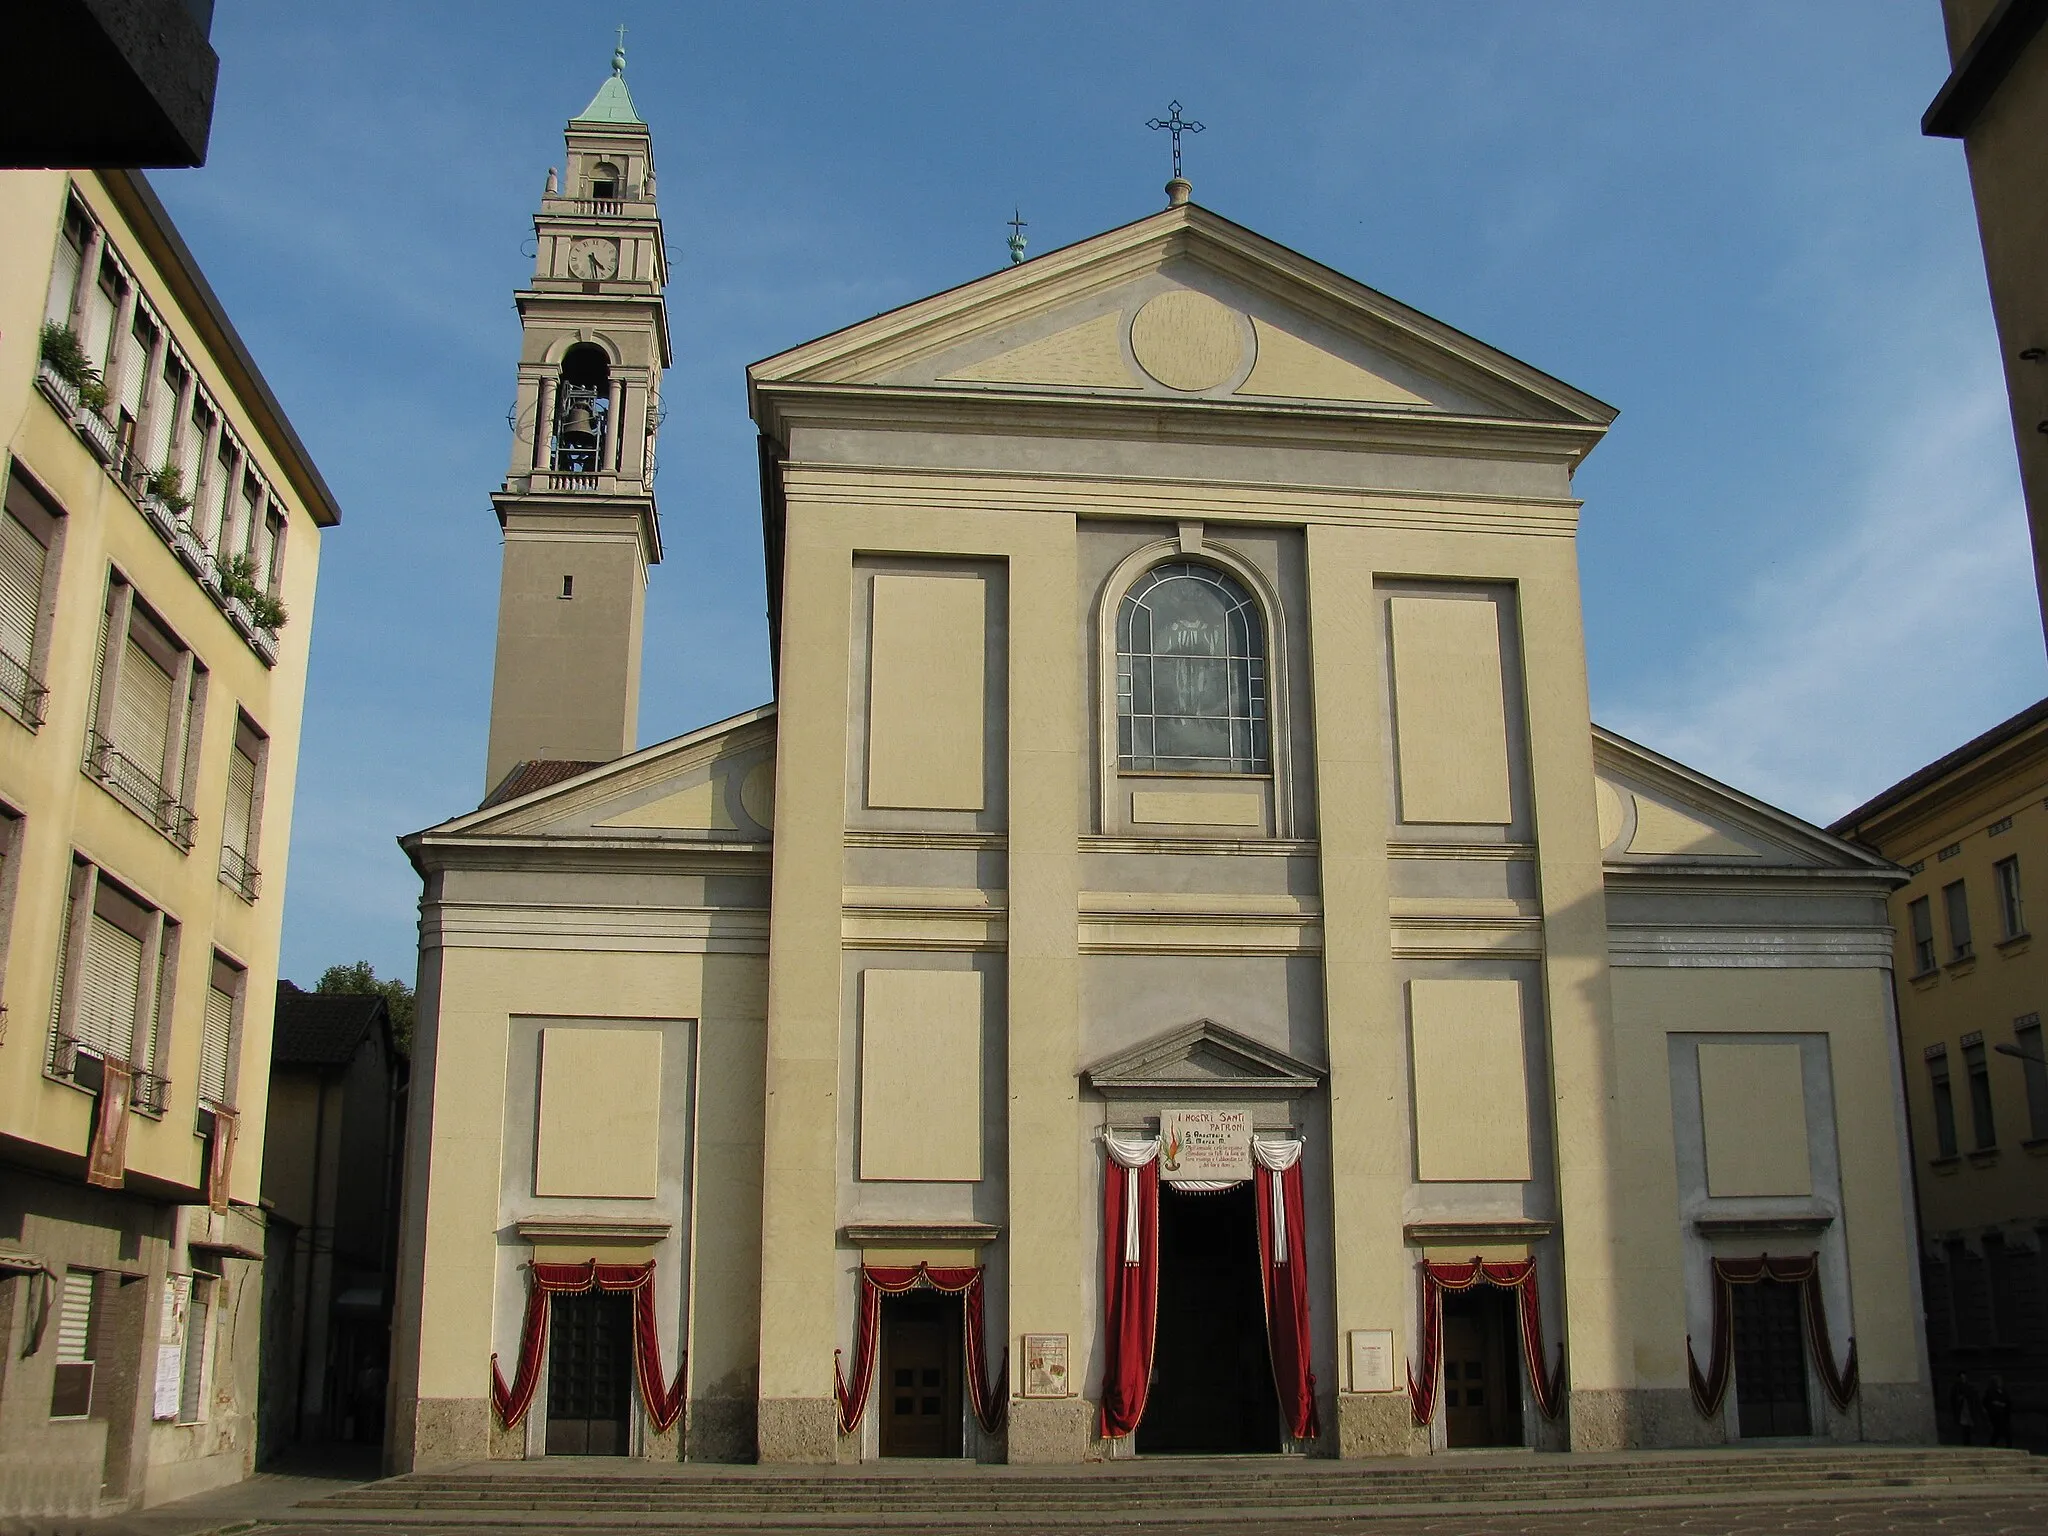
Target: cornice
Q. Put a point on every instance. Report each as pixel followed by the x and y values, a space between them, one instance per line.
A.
pixel 1027 412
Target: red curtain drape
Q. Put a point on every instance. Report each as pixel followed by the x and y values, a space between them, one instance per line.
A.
pixel 1281 1226
pixel 1710 1389
pixel 989 1399
pixel 1130 1291
pixel 1517 1275
pixel 664 1403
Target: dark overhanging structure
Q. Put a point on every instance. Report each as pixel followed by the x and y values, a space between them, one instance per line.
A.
pixel 107 83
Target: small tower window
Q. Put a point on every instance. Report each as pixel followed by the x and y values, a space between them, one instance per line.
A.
pixel 604 180
pixel 582 409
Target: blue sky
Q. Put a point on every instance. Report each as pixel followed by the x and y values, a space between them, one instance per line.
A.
pixel 1804 554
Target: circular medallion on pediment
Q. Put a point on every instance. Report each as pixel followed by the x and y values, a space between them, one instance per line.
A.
pixel 1187 340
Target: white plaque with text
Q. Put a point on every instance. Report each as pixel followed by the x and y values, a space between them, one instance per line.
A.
pixel 1045 1365
pixel 1205 1145
pixel 1372 1359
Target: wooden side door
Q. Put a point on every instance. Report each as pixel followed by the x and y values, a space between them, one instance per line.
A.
pixel 1770 1362
pixel 590 1373
pixel 921 1367
pixel 1482 1380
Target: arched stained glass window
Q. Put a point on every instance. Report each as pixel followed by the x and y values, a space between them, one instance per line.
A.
pixel 1190 674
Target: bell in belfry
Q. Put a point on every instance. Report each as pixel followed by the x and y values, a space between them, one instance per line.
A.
pixel 577 422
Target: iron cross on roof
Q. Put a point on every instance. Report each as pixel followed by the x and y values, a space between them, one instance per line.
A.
pixel 1176 126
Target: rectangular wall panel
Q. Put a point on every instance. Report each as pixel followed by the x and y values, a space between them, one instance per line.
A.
pixel 1753 1105
pixel 920 1075
pixel 1471 1088
pixel 1450 715
pixel 927 650
pixel 1230 808
pixel 600 1113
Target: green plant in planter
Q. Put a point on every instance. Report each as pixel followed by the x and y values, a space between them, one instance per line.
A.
pixel 238 580
pixel 167 485
pixel 92 393
pixel 268 612
pixel 65 354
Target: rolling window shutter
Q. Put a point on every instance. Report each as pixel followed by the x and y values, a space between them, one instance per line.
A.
pixel 192 1389
pixel 74 1320
pixel 216 1037
pixel 142 711
pixel 99 325
pixel 163 406
pixel 22 562
pixel 241 803
pixel 110 984
pixel 134 363
pixel 148 1050
pixel 63 282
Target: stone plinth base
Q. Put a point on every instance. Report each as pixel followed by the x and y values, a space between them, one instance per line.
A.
pixel 1378 1424
pixel 1048 1430
pixel 802 1430
pixel 719 1429
pixel 1896 1412
pixel 441 1432
pixel 1634 1418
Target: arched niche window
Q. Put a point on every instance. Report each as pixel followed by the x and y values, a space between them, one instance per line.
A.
pixel 582 409
pixel 604 180
pixel 1190 674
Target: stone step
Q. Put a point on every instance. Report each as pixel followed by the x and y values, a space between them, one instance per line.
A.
pixel 715 1496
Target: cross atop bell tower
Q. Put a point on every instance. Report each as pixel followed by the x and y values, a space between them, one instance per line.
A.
pixel 577 506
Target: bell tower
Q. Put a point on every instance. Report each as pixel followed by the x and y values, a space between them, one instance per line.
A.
pixel 577 506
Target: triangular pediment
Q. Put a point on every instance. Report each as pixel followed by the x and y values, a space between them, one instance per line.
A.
pixel 712 786
pixel 1656 811
pixel 1183 305
pixel 1201 1057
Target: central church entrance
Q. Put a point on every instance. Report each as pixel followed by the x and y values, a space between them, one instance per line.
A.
pixel 1212 1371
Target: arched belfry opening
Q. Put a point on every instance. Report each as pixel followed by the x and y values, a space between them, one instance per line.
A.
pixel 583 406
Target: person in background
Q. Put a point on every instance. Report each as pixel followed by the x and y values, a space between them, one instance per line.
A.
pixel 1962 1407
pixel 1998 1413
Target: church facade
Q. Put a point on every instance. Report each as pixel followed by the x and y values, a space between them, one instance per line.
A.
pixel 1175 969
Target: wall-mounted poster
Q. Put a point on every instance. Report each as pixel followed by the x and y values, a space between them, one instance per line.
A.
pixel 1205 1145
pixel 1045 1365
pixel 1372 1359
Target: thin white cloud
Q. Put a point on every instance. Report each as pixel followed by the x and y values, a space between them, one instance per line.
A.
pixel 1907 631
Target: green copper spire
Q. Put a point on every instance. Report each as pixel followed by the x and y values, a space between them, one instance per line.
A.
pixel 613 103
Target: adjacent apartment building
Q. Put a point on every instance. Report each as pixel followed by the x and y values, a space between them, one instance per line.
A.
pixel 1972 830
pixel 158 553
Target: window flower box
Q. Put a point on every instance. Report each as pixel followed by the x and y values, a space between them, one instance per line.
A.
pixel 185 540
pixel 98 433
pixel 61 391
pixel 160 516
pixel 265 642
pixel 244 620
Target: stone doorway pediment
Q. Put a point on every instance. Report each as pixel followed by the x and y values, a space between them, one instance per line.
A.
pixel 1201 1058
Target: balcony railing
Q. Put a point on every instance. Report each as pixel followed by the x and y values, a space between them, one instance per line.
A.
pixel 22 693
pixel 151 1093
pixel 238 874
pixel 136 785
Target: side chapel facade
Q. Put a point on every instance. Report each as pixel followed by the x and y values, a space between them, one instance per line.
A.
pixel 1175 968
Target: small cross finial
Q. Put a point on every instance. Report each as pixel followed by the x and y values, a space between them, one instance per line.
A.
pixel 619 53
pixel 1175 126
pixel 1017 228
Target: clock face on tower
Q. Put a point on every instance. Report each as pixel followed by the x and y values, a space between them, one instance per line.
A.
pixel 592 258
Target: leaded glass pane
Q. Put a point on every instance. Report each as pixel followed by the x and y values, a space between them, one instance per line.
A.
pixel 1190 674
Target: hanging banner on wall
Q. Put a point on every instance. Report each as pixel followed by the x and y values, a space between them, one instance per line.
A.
pixel 1202 1146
